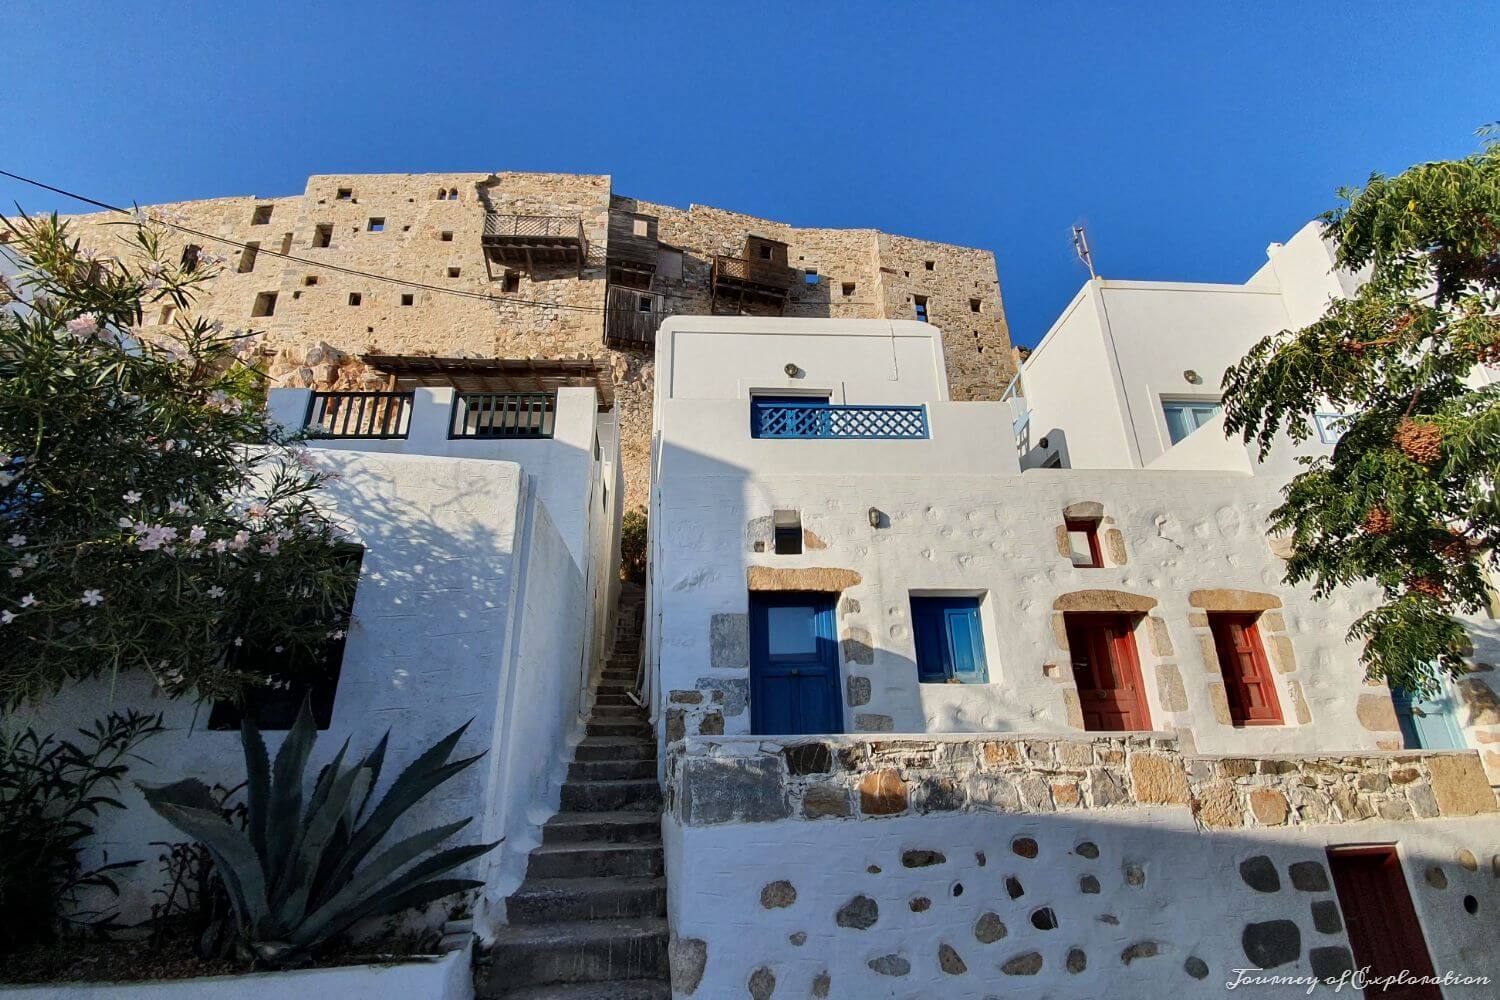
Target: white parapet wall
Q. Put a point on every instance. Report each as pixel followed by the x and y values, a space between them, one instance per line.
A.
pixel 1035 866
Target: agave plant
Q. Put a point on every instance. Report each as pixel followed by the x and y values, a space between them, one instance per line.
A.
pixel 295 874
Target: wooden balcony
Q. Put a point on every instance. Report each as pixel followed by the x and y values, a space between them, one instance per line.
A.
pixel 533 241
pixel 631 318
pixel 633 247
pixel 741 278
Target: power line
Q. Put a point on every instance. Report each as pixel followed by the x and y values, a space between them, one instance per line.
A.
pixel 324 265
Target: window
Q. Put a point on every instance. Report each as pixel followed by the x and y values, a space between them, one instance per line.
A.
pixel 920 301
pixel 788 533
pixel 346 194
pixel 247 257
pixel 1330 426
pixel 848 289
pixel 643 303
pixel 355 298
pixel 640 227
pixel 1083 543
pixel 407 298
pixel 950 643
pixel 1247 675
pixel 784 416
pixel 376 225
pixel 302 673
pixel 974 305
pixel 446 236
pixel 927 264
pixel 511 281
pixel 261 216
pixel 310 280
pixel 810 277
pixel 190 256
pixel 265 304
pixel 453 194
pixel 323 235
pixel 765 252
pixel 1186 416
pixel 452 272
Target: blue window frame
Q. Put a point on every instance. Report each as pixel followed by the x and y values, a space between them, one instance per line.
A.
pixel 950 642
pixel 1330 426
pixel 1186 416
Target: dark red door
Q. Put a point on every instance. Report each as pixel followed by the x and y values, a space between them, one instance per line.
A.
pixel 1381 922
pixel 1247 674
pixel 1107 672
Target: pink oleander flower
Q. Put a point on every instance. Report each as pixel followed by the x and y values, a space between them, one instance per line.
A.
pixel 91 599
pixel 241 539
pixel 30 560
pixel 219 545
pixel 258 509
pixel 177 507
pixel 197 534
pixel 28 600
pixel 131 496
pixel 272 547
pixel 15 571
pixel 7 616
pixel 84 326
pixel 239 641
pixel 16 541
pixel 215 592
pixel 337 633
pixel 125 523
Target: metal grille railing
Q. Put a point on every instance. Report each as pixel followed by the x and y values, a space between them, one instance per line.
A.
pixel 359 414
pixel 503 415
pixel 818 420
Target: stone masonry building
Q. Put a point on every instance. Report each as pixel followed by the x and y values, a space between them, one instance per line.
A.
pixel 549 266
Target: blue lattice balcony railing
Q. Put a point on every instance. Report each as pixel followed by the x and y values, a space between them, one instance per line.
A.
pixel 816 419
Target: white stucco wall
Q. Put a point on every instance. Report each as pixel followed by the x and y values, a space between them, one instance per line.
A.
pixel 468 602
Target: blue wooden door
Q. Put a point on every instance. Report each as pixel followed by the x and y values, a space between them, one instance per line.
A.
pixel 1431 724
pixel 794 668
pixel 950 645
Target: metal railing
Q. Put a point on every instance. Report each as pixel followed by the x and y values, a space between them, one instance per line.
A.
pixel 545 227
pixel 359 414
pixel 503 415
pixel 816 420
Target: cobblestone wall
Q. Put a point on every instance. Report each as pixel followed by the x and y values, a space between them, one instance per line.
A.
pixel 429 231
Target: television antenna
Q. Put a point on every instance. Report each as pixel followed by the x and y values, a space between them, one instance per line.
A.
pixel 1081 248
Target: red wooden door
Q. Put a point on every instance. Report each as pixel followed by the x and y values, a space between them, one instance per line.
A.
pixel 1247 674
pixel 1107 672
pixel 1381 922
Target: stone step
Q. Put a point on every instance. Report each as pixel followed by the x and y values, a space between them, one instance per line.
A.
pixel 614 696
pixel 611 796
pixel 583 951
pixel 546 900
pixel 588 859
pixel 620 989
pixel 608 712
pixel 610 770
pixel 639 728
pixel 623 826
pixel 615 748
pixel 617 675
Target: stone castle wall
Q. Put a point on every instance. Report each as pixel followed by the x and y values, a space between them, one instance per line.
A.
pixel 324 318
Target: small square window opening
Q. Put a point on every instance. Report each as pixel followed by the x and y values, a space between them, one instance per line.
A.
pixel 811 276
pixel 376 226
pixel 247 257
pixel 1083 544
pixel 265 304
pixel 323 235
pixel 920 302
pixel 452 272
pixel 927 264
pixel 511 282
pixel 446 236
pixel 640 227
pixel 261 216
pixel 407 298
pixel 788 533
pixel 355 298
pixel 346 194
pixel 974 305
pixel 848 289
pixel 310 280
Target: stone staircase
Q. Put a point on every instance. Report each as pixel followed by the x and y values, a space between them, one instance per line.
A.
pixel 589 920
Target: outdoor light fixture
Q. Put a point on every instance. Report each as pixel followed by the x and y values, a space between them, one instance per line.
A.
pixel 791 370
pixel 1192 376
pixel 874 517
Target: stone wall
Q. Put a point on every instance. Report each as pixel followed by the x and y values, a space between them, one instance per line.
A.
pixel 747 780
pixel 318 329
pixel 1038 866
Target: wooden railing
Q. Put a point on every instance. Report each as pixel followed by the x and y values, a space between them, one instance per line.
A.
pixel 359 414
pixel 757 272
pixel 533 227
pixel 503 415
pixel 626 324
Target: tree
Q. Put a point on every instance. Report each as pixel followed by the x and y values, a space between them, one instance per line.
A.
pixel 150 517
pixel 1407 499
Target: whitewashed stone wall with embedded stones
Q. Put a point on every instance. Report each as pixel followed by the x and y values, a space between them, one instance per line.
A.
pixel 955 867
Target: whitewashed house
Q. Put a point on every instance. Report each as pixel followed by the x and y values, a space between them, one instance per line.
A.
pixel 1128 377
pixel 932 725
pixel 486 504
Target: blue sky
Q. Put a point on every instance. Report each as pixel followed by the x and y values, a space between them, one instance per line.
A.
pixel 1186 136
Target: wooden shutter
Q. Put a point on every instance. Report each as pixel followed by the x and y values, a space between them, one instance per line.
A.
pixel 1247 675
pixel 965 642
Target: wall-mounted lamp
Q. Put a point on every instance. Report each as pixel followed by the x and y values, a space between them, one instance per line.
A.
pixel 1192 376
pixel 792 371
pixel 875 517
